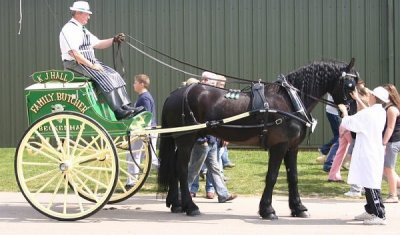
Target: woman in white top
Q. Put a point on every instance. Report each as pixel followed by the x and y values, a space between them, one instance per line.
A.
pixel 366 166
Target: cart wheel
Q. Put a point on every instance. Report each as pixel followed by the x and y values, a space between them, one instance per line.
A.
pixel 133 169
pixel 62 156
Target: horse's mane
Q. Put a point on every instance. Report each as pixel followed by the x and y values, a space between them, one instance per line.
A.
pixel 312 77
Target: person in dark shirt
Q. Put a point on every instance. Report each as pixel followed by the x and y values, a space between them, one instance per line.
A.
pixel 145 99
pixel 391 141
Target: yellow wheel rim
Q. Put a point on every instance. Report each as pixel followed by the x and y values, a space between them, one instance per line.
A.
pixel 62 157
pixel 133 171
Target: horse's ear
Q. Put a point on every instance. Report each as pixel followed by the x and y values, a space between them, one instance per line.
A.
pixel 350 65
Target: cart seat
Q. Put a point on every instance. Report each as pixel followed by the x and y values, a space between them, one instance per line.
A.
pixel 63 76
pixel 78 77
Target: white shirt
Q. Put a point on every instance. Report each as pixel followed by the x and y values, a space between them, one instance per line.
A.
pixel 71 38
pixel 330 109
pixel 366 165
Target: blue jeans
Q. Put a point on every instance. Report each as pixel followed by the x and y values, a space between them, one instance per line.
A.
pixel 331 156
pixel 194 188
pixel 334 121
pixel 207 154
pixel 223 153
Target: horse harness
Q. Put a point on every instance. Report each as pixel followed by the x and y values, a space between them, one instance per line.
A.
pixel 259 104
pixel 185 104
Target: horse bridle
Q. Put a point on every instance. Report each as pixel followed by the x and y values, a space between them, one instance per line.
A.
pixel 348 86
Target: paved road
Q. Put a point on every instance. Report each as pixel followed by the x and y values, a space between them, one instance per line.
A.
pixel 144 214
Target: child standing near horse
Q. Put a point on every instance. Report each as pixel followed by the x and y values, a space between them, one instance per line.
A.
pixel 366 166
pixel 141 86
pixel 346 138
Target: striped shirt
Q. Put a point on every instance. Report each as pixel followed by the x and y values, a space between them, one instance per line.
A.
pixel 74 36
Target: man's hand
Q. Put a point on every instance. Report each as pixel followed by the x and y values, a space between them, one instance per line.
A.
pixel 354 95
pixel 119 38
pixel 97 67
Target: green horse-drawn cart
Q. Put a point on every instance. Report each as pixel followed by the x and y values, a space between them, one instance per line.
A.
pixel 73 158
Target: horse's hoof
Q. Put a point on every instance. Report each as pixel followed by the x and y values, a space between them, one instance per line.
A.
pixel 193 213
pixel 176 209
pixel 301 214
pixel 269 217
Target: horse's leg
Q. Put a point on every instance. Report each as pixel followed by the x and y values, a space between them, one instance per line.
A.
pixel 277 152
pixel 167 177
pixel 172 199
pixel 183 153
pixel 188 205
pixel 295 205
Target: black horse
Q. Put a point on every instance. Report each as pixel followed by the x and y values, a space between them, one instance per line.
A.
pixel 279 132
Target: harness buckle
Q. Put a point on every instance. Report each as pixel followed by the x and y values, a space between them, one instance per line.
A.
pixel 313 124
pixel 278 121
pixel 213 123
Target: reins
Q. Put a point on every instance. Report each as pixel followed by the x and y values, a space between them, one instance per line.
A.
pixel 176 60
pixel 117 52
pixel 322 100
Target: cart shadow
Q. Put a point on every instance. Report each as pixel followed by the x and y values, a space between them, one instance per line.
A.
pixel 206 218
pixel 150 209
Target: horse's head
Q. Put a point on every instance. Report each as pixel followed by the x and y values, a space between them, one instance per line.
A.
pixel 346 84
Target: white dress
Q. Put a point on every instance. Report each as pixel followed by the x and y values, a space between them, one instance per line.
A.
pixel 366 166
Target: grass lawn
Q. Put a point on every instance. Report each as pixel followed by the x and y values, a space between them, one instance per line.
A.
pixel 247 178
pixel 8 181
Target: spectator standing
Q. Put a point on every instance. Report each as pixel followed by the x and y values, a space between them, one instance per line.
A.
pixel 145 99
pixel 366 165
pixel 391 140
pixel 345 138
pixel 362 101
pixel 328 150
pixel 205 151
pixel 223 154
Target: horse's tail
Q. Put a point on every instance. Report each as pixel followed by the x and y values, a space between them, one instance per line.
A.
pixel 167 158
pixel 167 149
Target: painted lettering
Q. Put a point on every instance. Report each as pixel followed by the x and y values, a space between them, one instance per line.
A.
pixel 59 96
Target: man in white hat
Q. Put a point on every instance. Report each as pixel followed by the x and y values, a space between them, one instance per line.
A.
pixel 77 46
pixel 209 78
pixel 366 166
pixel 205 151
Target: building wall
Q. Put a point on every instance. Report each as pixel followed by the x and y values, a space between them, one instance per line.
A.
pixel 252 39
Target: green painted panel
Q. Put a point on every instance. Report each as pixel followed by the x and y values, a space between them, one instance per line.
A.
pixel 343 31
pixel 57 91
pixel 253 39
pixel 259 39
pixel 315 30
pixel 372 42
pixel 301 33
pixel 273 39
pixel 329 26
pixel 396 40
pixel 231 31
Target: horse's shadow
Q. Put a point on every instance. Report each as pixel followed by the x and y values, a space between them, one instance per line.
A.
pixel 167 217
pixel 132 211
